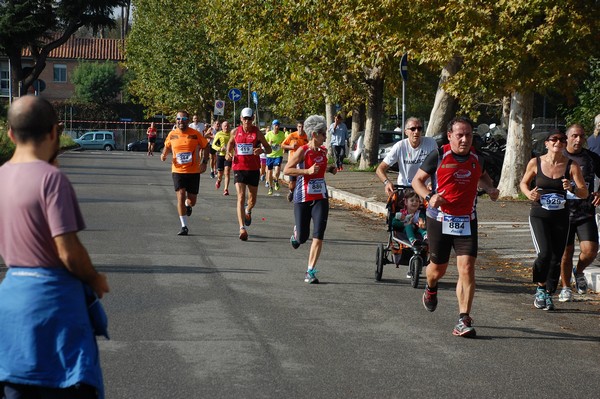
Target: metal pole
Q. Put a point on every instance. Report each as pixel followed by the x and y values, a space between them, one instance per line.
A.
pixel 397 112
pixel 10 88
pixel 257 120
pixel 403 105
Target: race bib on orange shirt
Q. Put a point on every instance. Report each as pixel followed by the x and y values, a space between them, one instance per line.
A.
pixel 184 158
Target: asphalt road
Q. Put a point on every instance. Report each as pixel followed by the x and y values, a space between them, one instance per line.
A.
pixel 210 316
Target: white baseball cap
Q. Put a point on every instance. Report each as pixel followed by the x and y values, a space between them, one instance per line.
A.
pixel 247 113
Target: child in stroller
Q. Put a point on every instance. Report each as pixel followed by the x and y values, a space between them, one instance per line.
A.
pixel 407 243
pixel 411 217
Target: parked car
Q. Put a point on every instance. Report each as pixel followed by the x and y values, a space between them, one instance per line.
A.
pixel 101 140
pixel 142 145
pixel 387 138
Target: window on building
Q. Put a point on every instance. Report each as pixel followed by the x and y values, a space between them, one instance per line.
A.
pixel 60 73
pixel 4 83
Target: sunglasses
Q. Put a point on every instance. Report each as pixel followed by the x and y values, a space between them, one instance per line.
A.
pixel 415 128
pixel 182 118
pixel 247 118
pixel 555 139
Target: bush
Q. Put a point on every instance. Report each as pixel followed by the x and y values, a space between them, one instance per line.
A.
pixel 6 146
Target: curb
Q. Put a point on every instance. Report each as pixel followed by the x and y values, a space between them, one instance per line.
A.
pixel 353 199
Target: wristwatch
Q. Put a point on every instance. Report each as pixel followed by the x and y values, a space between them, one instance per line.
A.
pixel 386 181
pixel 428 197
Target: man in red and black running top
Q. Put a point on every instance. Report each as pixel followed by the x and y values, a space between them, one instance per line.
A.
pixel 243 149
pixel 457 172
pixel 186 144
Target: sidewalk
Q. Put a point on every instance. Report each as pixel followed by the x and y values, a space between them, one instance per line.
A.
pixel 365 190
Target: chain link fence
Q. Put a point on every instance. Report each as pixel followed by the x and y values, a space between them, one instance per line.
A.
pixel 124 132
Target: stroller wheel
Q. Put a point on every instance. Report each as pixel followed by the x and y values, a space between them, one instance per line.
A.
pixel 379 262
pixel 415 265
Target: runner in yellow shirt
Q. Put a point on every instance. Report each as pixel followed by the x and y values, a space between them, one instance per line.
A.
pixel 223 166
pixel 274 137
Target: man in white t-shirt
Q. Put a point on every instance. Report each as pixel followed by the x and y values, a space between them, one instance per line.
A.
pixel 408 153
pixel 199 126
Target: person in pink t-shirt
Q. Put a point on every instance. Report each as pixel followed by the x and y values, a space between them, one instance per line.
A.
pixel 46 345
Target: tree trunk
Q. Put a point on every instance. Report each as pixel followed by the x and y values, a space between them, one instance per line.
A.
pixel 358 116
pixel 505 112
pixel 444 106
pixel 374 110
pixel 329 115
pixel 518 143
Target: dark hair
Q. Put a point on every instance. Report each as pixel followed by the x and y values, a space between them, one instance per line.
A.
pixel 184 112
pixel 554 132
pixel 31 118
pixel 410 194
pixel 459 119
pixel 575 126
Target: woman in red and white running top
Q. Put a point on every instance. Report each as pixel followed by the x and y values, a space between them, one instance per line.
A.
pixel 309 164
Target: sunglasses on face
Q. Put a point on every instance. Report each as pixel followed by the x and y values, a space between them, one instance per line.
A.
pixel 415 128
pixel 247 118
pixel 182 118
pixel 559 139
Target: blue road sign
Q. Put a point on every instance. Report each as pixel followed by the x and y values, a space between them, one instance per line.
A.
pixel 234 95
pixel 255 97
pixel 39 85
pixel 404 67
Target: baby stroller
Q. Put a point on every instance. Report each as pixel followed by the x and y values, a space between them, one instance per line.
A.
pixel 398 249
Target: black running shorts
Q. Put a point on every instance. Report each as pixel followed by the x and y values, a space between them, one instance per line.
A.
pixel 222 162
pixel 441 244
pixel 189 181
pixel 586 230
pixel 248 177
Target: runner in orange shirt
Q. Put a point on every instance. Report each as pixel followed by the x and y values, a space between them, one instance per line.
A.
pixel 291 143
pixel 186 144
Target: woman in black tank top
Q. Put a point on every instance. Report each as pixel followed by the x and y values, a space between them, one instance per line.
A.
pixel 553 174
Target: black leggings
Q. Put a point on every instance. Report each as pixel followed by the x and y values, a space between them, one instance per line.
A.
pixel 549 236
pixel 318 211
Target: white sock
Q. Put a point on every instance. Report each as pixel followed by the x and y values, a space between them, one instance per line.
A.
pixel 310 267
pixel 183 220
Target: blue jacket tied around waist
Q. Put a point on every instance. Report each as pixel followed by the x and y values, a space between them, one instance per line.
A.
pixel 46 335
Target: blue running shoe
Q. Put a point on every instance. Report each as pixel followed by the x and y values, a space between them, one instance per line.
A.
pixel 539 300
pixel 311 276
pixel 294 242
pixel 580 282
